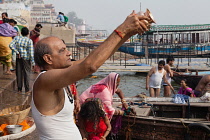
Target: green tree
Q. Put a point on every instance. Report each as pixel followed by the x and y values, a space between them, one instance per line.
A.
pixel 74 19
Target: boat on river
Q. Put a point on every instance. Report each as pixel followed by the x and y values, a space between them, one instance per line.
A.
pixel 192 78
pixel 160 118
pixel 160 41
pixel 176 40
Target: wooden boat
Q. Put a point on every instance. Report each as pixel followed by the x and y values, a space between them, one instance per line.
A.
pixel 192 79
pixel 158 118
pixel 176 40
pixel 160 41
pixel 91 38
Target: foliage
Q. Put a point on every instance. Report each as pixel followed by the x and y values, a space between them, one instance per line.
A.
pixel 74 19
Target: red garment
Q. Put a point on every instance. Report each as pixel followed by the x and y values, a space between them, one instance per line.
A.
pixel 35 39
pixel 95 134
pixel 1 21
pixel 34 36
pixel 97 88
pixel 73 89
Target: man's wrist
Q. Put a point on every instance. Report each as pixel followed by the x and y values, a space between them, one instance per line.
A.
pixel 123 100
pixel 120 32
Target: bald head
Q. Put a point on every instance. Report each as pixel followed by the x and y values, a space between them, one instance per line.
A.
pixel 51 40
pixel 44 46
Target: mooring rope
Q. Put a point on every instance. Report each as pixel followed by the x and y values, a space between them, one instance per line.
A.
pixel 128 129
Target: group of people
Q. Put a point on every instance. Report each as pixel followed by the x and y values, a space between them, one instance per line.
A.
pixel 53 103
pixel 62 19
pixel 161 75
pixel 17 49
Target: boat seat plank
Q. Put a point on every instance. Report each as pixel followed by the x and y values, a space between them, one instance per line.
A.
pixel 191 104
pixel 143 111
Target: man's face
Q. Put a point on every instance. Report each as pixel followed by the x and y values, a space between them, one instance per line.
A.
pixel 118 82
pixel 39 28
pixel 160 66
pixel 60 55
pixel 3 16
pixel 12 24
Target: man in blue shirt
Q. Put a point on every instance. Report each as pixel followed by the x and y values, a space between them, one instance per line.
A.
pixel 60 18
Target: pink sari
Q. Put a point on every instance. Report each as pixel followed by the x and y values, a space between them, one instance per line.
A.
pixel 188 91
pixel 104 90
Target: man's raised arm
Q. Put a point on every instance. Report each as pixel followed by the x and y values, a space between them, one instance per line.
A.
pixel 63 77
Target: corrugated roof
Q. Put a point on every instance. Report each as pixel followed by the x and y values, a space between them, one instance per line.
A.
pixel 174 28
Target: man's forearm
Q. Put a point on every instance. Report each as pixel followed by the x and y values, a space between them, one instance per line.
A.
pixel 147 80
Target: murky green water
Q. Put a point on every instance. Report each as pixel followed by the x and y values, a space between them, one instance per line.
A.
pixel 131 84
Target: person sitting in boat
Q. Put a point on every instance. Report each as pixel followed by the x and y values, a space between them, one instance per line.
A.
pixel 93 121
pixel 154 79
pixel 184 89
pixel 104 90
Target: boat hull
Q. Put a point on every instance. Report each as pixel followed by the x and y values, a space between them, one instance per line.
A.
pixel 165 120
pixel 162 51
pixel 191 80
pixel 157 129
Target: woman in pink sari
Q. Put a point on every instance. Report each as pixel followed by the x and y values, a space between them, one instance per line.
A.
pixel 105 90
pixel 184 89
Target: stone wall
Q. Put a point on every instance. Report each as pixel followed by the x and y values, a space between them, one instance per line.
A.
pixel 68 35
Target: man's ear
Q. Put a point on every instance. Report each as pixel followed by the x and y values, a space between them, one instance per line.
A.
pixel 47 58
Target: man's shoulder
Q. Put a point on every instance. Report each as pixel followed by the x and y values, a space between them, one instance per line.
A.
pixel 39 78
pixel 17 37
pixel 28 40
pixel 152 69
pixel 167 66
pixel 41 82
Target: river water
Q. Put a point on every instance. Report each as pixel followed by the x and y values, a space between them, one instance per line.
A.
pixel 131 84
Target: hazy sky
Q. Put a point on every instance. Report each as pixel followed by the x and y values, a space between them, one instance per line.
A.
pixel 108 14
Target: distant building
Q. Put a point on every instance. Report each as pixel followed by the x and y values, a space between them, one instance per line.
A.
pixel 16 9
pixel 41 12
pixel 32 11
pixel 81 28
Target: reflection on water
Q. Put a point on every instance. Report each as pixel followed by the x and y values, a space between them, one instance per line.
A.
pixel 130 84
